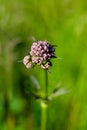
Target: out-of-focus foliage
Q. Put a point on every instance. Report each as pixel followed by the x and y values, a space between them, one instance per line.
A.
pixel 63 23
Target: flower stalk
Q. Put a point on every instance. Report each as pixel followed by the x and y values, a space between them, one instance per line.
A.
pixel 44 114
pixel 46 84
pixel 41 54
pixel 44 105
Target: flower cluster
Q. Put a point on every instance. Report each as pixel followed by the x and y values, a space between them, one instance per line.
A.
pixel 41 53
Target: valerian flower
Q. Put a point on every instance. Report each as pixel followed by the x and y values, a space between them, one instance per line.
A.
pixel 40 54
pixel 27 62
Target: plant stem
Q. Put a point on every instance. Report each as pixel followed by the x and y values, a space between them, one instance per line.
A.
pixel 44 105
pixel 44 116
pixel 46 84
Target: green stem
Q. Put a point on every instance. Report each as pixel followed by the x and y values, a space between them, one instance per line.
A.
pixel 44 105
pixel 46 84
pixel 44 116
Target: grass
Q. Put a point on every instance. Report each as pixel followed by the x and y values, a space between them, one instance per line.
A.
pixel 63 23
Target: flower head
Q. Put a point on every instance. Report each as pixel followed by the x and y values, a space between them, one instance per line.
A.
pixel 41 53
pixel 27 62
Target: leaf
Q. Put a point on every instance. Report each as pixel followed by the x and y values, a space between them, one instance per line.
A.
pixel 57 87
pixel 35 82
pixel 58 92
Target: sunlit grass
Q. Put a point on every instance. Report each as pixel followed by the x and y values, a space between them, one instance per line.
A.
pixel 63 23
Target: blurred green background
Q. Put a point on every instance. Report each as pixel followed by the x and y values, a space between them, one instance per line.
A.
pixel 63 23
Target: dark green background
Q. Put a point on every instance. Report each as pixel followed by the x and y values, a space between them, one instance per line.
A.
pixel 63 23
